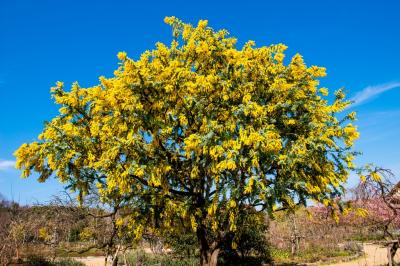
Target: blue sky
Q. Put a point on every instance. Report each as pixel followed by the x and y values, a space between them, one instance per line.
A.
pixel 45 41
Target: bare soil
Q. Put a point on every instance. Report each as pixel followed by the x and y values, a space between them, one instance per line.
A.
pixel 375 255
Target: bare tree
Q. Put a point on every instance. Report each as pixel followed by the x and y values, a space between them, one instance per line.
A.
pixel 380 194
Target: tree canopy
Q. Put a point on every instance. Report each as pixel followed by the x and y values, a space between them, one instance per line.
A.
pixel 197 131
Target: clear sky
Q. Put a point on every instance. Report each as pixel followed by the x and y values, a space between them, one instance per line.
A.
pixel 45 41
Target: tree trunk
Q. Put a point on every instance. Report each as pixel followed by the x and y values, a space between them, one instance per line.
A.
pixel 115 258
pixel 392 249
pixel 214 257
pixel 208 255
pixel 125 260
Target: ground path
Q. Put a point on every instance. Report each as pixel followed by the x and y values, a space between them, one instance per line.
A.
pixel 92 260
pixel 99 260
pixel 375 255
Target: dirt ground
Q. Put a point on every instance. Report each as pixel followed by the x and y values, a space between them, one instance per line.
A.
pixel 99 260
pixel 375 255
pixel 92 261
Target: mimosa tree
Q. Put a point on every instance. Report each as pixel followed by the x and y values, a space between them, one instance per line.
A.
pixel 199 131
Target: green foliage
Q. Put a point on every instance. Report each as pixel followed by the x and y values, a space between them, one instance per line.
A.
pixel 37 260
pixel 68 262
pixel 321 253
pixel 249 245
pixel 308 255
pixel 140 258
pixel 200 129
pixel 74 234
pixel 251 240
pixel 184 244
pixel 279 254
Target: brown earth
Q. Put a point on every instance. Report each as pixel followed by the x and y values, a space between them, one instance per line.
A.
pixel 375 255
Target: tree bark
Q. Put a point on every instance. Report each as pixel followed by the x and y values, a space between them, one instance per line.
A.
pixel 392 249
pixel 208 254
pixel 115 258
pixel 209 257
pixel 214 257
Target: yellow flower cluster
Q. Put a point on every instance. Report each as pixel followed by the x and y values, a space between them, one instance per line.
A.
pixel 198 115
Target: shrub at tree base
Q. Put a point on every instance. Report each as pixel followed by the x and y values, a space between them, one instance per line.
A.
pixel 194 133
pixel 144 259
pixel 252 245
pixel 35 260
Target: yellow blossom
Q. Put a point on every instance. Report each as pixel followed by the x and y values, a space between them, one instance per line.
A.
pixel 121 56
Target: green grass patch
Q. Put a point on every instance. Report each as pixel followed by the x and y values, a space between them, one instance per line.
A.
pixel 61 252
pixel 139 257
pixel 284 257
